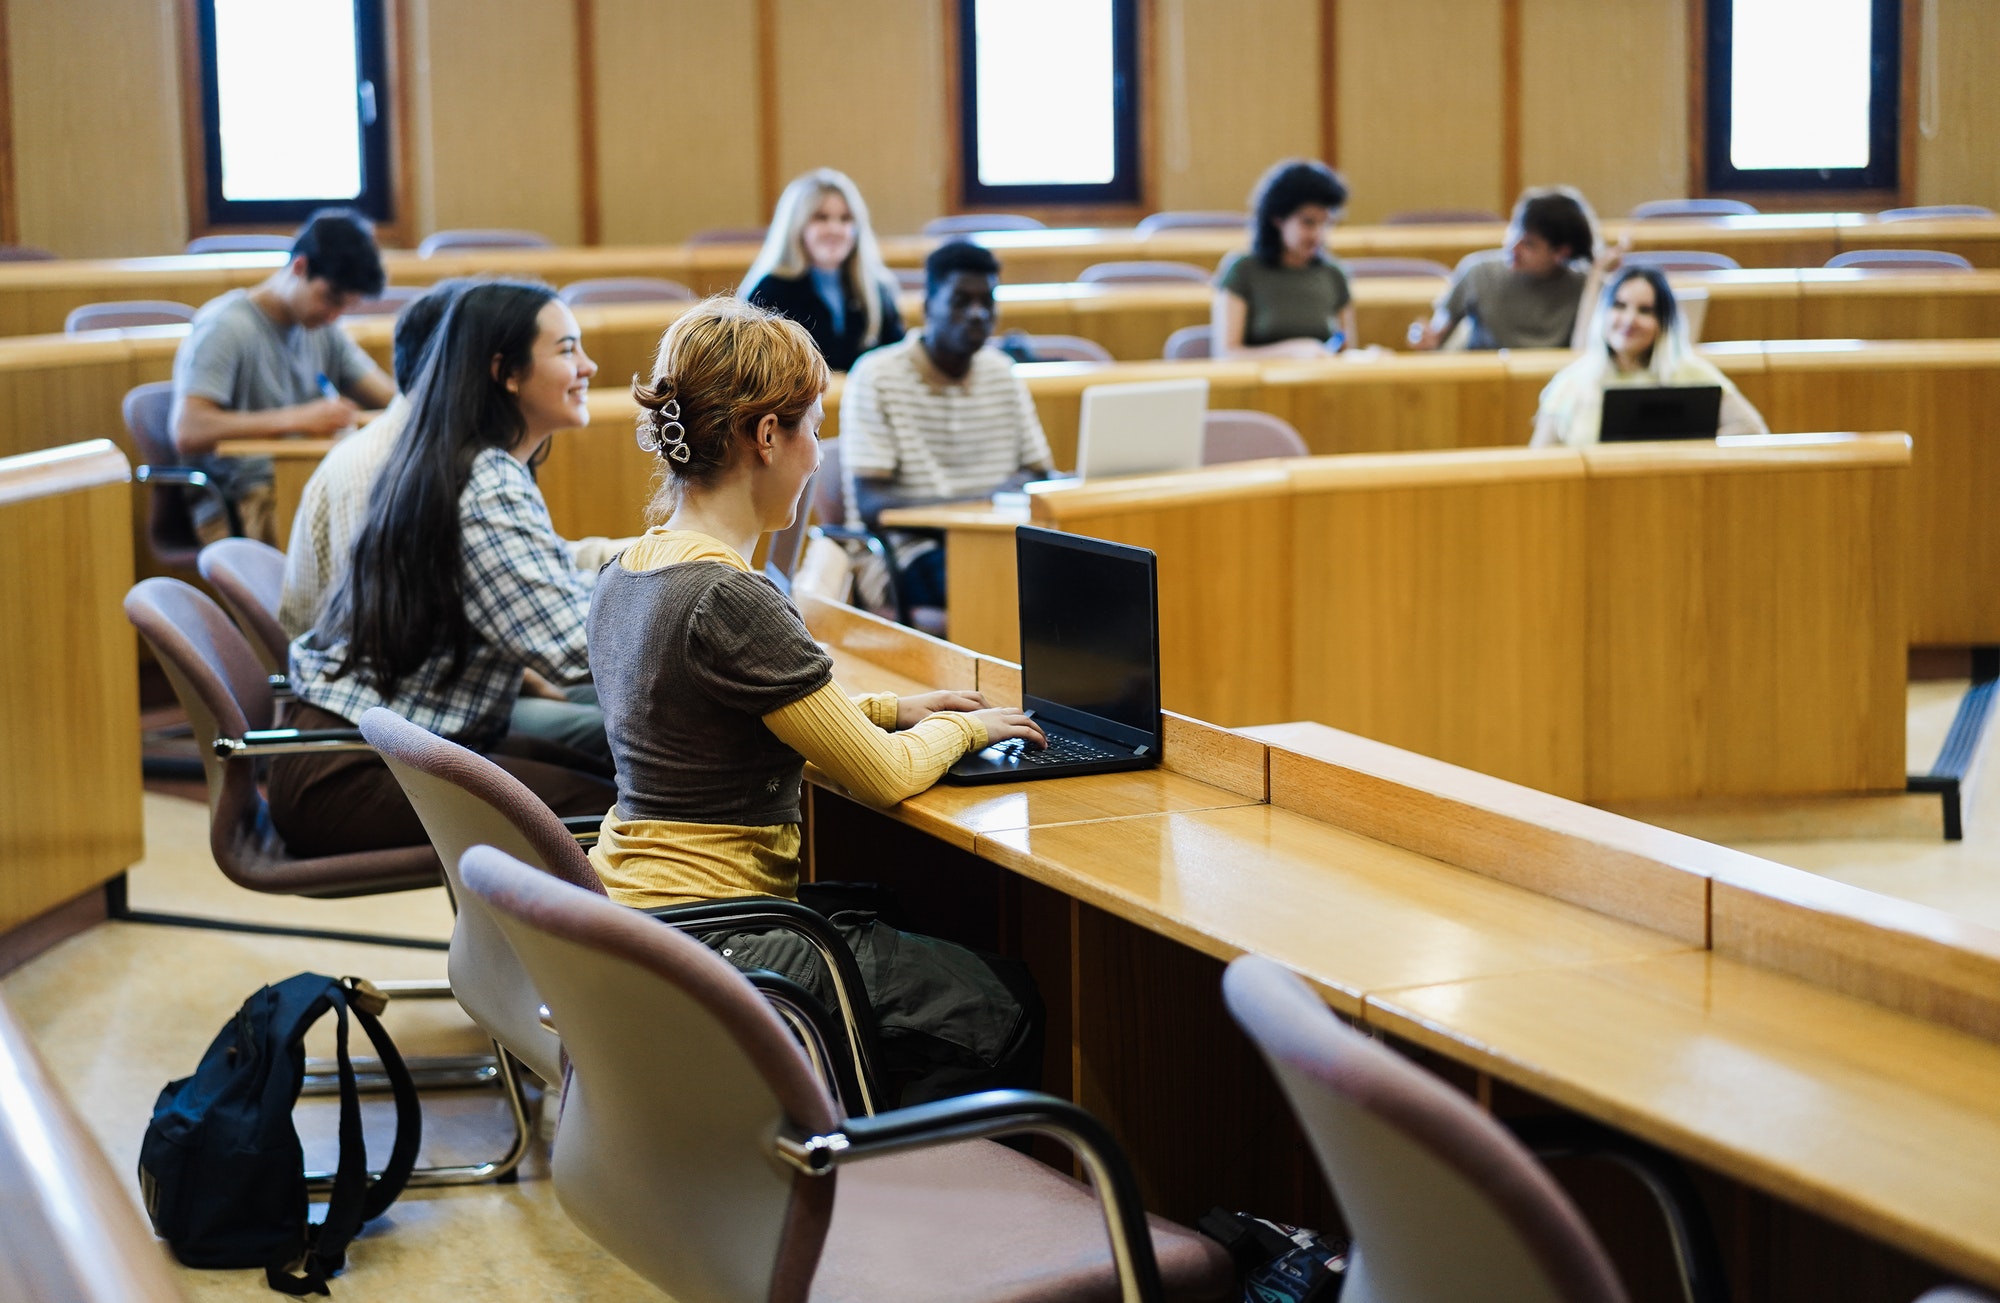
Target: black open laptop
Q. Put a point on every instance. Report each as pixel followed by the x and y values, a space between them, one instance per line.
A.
pixel 1638 414
pixel 1090 660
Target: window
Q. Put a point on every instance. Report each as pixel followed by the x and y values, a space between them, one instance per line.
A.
pixel 1803 94
pixel 1049 90
pixel 294 108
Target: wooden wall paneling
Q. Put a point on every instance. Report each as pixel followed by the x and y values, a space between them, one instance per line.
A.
pixel 1419 89
pixel 503 99
pixel 1959 164
pixel 1744 624
pixel 1601 92
pixel 1252 77
pixel 590 190
pixel 888 130
pixel 70 809
pixel 1510 104
pixel 10 207
pixel 1944 396
pixel 1448 617
pixel 679 128
pixel 96 121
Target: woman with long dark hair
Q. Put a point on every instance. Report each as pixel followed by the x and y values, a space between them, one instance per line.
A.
pixel 457 584
pixel 1287 297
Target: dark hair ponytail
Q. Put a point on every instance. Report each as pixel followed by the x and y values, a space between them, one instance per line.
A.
pixel 402 599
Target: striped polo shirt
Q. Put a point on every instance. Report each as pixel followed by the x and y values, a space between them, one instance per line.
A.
pixel 903 420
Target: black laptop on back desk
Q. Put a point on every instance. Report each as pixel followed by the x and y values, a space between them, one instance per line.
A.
pixel 1090 660
pixel 1641 413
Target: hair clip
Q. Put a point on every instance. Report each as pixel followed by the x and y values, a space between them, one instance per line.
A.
pixel 662 432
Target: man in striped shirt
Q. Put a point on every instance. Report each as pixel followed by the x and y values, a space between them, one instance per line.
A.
pixel 940 416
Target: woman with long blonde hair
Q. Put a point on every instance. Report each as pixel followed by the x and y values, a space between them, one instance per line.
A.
pixel 715 696
pixel 821 267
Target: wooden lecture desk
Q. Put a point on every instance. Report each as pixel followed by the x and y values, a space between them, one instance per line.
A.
pixel 1621 625
pixel 1817 1051
pixel 35 297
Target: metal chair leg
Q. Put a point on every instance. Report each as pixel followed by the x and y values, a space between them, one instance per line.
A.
pixel 502 1169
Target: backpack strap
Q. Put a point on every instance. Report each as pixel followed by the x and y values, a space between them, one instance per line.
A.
pixel 354 1200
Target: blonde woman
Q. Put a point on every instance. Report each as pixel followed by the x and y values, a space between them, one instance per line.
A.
pixel 715 696
pixel 1636 338
pixel 821 267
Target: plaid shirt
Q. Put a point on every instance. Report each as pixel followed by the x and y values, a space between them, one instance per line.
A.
pixel 527 603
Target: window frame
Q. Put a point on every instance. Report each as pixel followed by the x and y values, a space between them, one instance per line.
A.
pixel 377 200
pixel 1884 173
pixel 1127 185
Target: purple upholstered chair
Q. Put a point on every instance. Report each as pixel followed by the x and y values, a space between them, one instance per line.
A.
pixel 1443 1203
pixel 1672 260
pixel 170 533
pixel 976 223
pixel 1928 211
pixel 471 241
pixel 1442 217
pixel 754 1185
pixel 1136 272
pixel 249 575
pixel 251 242
pixel 1228 436
pixel 1693 208
pixel 1900 260
pixel 1394 267
pixel 1188 342
pixel 121 315
pixel 1190 220
pixel 625 289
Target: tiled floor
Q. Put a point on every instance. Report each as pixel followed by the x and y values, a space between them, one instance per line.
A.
pixel 123 1008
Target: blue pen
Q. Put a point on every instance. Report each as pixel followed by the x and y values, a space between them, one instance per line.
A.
pixel 326 389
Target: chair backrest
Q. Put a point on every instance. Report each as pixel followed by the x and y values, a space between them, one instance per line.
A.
pixel 1443 1204
pixel 25 253
pixel 1442 217
pixel 1671 260
pixel 454 241
pixel 730 235
pixel 251 243
pixel 1137 272
pixel 225 692
pixel 465 800
pixel 1067 348
pixel 249 575
pixel 1394 267
pixel 1247 436
pixel 1925 211
pixel 134 312
pixel 681 1076
pixel 392 299
pixel 908 278
pixel 169 521
pixel 1187 342
pixel 1901 260
pixel 625 289
pixel 1191 220
pixel 1956 1294
pixel 974 223
pixel 1693 208
pixel 829 491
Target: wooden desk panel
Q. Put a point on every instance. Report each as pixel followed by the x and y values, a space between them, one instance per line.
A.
pixel 1875 1120
pixel 69 679
pixel 1448 620
pixel 1745 628
pixel 1410 403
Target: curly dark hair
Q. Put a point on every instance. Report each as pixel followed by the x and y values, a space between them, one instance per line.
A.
pixel 1282 191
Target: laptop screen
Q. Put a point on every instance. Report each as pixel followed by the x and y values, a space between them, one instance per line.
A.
pixel 1089 632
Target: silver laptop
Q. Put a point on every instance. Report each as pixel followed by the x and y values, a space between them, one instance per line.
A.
pixel 1141 429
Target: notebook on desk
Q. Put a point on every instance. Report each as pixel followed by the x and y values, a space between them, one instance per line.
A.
pixel 1090 661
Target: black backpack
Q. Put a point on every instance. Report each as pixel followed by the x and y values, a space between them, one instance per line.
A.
pixel 221 1167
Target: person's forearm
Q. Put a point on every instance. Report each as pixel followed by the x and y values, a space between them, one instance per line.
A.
pixel 877 768
pixel 873 497
pixel 201 431
pixel 374 391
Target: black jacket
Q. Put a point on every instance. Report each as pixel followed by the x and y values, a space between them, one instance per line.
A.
pixel 796 298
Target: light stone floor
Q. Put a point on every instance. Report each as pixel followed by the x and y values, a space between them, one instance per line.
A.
pixel 123 1008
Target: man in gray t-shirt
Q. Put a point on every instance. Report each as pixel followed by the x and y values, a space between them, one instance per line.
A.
pixel 1529 294
pixel 269 361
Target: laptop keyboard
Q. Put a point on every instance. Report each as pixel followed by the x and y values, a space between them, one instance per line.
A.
pixel 1062 749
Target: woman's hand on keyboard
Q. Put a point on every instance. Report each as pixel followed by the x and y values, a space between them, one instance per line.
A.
pixel 1005 723
pixel 911 711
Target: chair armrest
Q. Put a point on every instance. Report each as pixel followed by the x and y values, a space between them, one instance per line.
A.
pixel 857 1015
pixel 1696 1252
pixel 815 1028
pixel 883 552
pixel 187 477
pixel 1003 1113
pixel 289 741
pixel 584 827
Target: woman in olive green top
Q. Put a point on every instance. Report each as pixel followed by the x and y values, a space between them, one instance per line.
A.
pixel 1286 297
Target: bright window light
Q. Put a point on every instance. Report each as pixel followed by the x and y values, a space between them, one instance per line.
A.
pixel 1047 107
pixel 1799 84
pixel 287 85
